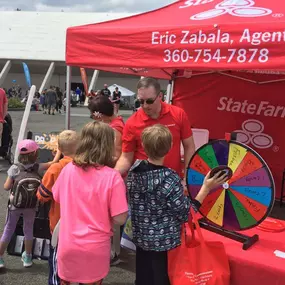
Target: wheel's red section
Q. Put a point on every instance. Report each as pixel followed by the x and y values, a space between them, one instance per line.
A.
pixel 200 165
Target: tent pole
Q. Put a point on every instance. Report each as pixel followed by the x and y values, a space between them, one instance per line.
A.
pixel 272 81
pixel 171 93
pixel 68 96
pixel 168 93
pixel 197 74
pixel 237 77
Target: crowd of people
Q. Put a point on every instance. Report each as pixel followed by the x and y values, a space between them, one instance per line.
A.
pixel 14 91
pixel 115 98
pixel 96 176
pixel 50 100
pixel 53 99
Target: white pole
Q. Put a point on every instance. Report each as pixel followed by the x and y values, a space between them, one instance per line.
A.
pixel 25 120
pixel 94 80
pixel 47 78
pixel 92 84
pixel 168 93
pixel 68 97
pixel 5 72
pixel 171 92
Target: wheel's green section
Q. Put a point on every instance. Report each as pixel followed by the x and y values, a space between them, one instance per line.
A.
pixel 245 219
pixel 208 155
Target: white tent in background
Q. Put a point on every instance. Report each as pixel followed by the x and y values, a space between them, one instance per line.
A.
pixel 128 95
pixel 125 92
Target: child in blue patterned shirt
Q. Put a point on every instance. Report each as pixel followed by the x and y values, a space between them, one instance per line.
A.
pixel 159 206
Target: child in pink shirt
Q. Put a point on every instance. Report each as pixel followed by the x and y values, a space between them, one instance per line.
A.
pixel 92 198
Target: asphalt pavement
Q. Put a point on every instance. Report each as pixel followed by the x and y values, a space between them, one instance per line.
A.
pixel 15 274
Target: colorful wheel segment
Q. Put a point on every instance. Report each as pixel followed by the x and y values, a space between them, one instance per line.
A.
pixel 246 199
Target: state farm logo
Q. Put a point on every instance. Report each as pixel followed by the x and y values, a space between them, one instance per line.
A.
pixel 252 133
pixel 238 8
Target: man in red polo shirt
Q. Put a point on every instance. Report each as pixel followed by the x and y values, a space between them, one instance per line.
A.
pixel 3 109
pixel 154 111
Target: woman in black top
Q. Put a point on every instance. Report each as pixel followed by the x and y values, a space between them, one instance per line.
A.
pixel 59 99
pixel 116 100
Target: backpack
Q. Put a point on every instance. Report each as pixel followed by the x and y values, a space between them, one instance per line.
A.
pixel 25 187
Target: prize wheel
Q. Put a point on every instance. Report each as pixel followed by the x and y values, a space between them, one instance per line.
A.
pixel 246 199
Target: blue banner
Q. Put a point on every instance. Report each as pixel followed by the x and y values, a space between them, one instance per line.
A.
pixel 27 74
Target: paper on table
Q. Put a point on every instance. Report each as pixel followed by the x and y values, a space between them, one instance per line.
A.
pixel 279 253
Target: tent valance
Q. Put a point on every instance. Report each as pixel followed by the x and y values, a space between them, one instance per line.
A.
pixel 193 34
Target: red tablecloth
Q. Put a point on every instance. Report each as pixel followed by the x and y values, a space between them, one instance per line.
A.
pixel 257 265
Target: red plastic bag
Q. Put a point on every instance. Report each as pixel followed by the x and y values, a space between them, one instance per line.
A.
pixel 196 261
pixel 271 225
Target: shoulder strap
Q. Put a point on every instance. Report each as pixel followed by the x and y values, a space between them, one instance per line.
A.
pixel 135 165
pixel 36 167
pixel 33 168
pixel 20 166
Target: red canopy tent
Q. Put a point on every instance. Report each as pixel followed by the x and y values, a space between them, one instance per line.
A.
pixel 188 38
pixel 198 34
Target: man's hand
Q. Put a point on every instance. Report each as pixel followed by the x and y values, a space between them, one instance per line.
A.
pixel 124 163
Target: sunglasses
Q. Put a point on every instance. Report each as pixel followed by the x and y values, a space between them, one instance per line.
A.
pixel 149 101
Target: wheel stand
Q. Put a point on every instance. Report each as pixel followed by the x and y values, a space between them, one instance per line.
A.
pixel 247 241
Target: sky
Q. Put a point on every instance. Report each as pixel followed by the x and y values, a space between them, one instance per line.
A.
pixel 131 6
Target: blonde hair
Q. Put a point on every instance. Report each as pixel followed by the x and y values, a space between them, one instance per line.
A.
pixel 67 142
pixel 29 158
pixel 96 146
pixel 157 141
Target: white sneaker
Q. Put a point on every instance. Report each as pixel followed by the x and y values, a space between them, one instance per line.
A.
pixel 27 260
pixel 115 260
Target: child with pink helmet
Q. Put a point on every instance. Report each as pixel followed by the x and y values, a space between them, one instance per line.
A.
pixel 28 156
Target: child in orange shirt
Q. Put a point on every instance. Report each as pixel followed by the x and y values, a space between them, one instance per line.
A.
pixel 67 144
